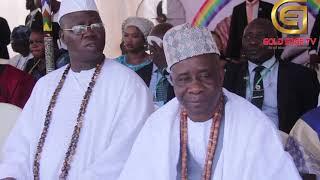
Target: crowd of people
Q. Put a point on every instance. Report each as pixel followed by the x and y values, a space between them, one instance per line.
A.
pixel 181 102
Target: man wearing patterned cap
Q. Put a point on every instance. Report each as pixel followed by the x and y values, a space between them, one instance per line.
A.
pixel 20 44
pixel 206 132
pixel 81 120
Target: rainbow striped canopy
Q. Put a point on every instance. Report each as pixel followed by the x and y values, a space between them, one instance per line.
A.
pixel 208 11
pixel 313 7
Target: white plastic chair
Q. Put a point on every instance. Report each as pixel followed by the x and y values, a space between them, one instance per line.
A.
pixel 8 116
pixel 4 61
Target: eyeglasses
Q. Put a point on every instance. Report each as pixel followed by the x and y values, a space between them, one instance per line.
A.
pixel 81 29
pixel 186 80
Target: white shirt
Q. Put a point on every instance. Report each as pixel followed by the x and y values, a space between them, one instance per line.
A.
pixel 255 9
pixel 155 78
pixel 198 138
pixel 270 82
pixel 19 61
pixel 117 109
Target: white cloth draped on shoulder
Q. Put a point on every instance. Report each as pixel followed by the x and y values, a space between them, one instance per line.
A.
pixel 119 105
pixel 19 61
pixel 251 146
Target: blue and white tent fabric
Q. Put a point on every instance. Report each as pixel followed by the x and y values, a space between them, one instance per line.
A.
pixel 304 143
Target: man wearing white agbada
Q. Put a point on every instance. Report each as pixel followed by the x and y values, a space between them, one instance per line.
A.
pixel 80 121
pixel 206 132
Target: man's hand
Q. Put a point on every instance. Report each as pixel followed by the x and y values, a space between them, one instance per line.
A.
pixel 314 61
pixel 158 56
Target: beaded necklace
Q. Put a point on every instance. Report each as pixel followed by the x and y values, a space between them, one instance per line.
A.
pixel 77 129
pixel 213 141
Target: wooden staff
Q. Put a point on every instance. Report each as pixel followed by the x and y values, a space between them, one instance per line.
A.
pixel 48 39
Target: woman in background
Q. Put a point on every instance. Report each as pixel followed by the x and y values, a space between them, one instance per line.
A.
pixel 134 34
pixel 37 66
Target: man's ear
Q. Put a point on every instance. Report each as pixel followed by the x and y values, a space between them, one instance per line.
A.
pixel 222 64
pixel 170 79
pixel 222 73
pixel 61 35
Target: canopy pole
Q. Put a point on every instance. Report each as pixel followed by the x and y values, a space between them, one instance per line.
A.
pixel 48 39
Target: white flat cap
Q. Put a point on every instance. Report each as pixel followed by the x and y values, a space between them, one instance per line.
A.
pixel 70 6
pixel 184 41
pixel 143 24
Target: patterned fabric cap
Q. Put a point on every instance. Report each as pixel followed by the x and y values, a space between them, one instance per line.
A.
pixel 143 24
pixel 185 41
pixel 70 6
